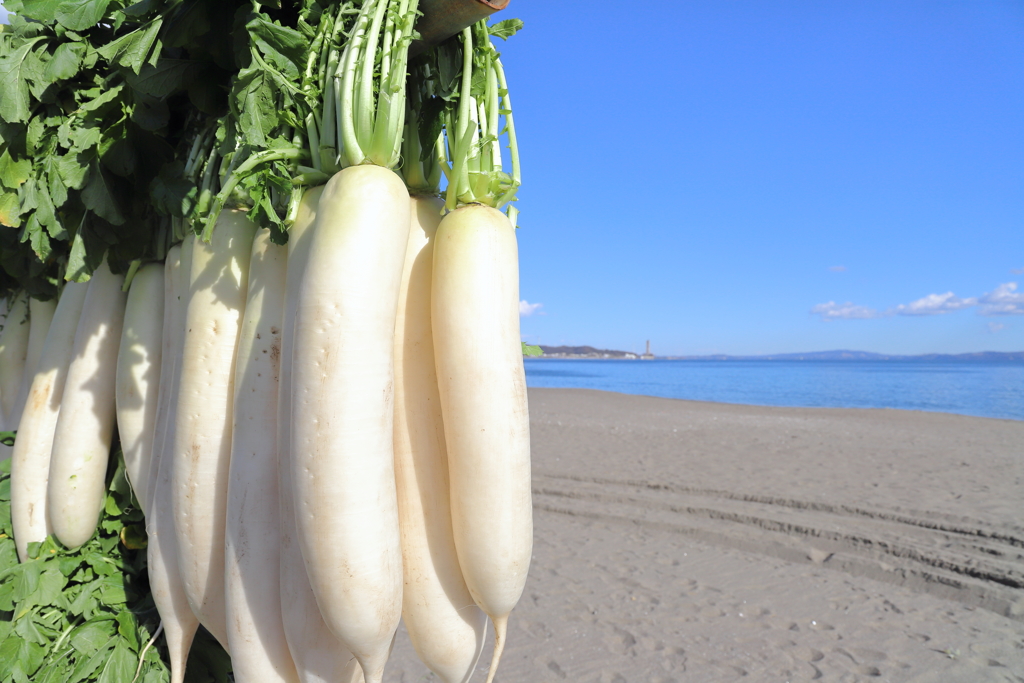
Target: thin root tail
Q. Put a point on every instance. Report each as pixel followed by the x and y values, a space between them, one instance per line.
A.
pixel 500 629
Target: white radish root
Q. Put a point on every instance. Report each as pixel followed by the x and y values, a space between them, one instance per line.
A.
pixel 444 624
pixel 138 376
pixel 202 438
pixel 342 413
pixel 252 574
pixel 30 460
pixel 179 622
pixel 475 319
pixel 85 425
pixel 319 657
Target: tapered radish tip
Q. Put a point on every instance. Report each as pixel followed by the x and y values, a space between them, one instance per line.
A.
pixel 500 629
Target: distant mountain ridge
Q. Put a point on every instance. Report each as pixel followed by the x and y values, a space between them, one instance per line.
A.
pixel 591 352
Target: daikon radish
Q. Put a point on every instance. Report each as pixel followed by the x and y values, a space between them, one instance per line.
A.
pixel 176 266
pixel 30 462
pixel 85 425
pixel 253 544
pixel 13 354
pixel 319 657
pixel 40 315
pixel 477 349
pixel 445 626
pixel 138 375
pixel 342 413
pixel 179 622
pixel 202 440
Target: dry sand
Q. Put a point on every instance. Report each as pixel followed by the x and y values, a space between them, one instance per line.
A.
pixel 679 541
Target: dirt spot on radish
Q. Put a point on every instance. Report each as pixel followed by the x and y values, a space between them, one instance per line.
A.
pixel 40 398
pixel 275 357
pixel 195 452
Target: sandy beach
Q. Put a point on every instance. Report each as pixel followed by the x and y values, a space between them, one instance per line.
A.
pixel 679 541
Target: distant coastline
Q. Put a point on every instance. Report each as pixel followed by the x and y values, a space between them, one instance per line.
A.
pixel 592 353
pixel 585 352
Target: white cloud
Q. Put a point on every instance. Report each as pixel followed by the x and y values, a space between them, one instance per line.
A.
pixel 847 311
pixel 527 309
pixel 1003 300
pixel 935 304
pixel 837 269
pixel 994 327
pixel 1017 271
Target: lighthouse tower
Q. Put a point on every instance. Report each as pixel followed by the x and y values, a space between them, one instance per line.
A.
pixel 647 354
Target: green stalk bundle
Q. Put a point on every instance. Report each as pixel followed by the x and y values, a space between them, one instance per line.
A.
pixel 476 175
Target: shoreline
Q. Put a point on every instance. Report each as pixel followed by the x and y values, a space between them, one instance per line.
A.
pixel 682 540
pixel 784 407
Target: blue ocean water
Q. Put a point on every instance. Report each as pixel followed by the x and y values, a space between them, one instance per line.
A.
pixel 986 389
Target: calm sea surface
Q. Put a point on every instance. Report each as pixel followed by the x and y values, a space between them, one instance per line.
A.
pixel 988 389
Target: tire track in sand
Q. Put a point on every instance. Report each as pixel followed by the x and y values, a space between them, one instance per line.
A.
pixel 966 560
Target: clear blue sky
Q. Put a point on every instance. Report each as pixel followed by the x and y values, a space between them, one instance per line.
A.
pixel 769 176
pixel 760 177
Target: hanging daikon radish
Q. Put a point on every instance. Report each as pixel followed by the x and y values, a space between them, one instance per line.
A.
pixel 478 353
pixel 40 316
pixel 85 425
pixel 138 375
pixel 179 622
pixel 253 544
pixel 318 655
pixel 202 437
pixel 31 506
pixel 342 412
pixel 444 624
pixel 176 274
pixel 30 462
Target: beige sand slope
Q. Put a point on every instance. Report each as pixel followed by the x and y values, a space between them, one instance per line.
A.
pixel 689 542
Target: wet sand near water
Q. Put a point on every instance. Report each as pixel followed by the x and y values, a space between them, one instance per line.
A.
pixel 680 541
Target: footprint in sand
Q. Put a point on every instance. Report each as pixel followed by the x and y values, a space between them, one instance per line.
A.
pixel 868 670
pixel 555 669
